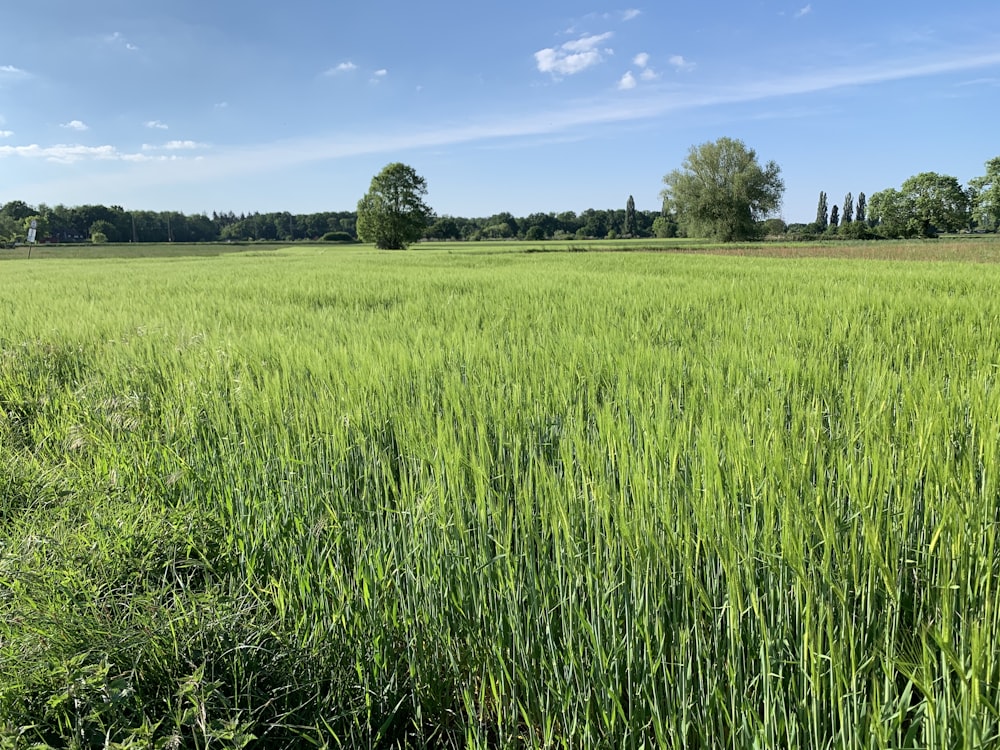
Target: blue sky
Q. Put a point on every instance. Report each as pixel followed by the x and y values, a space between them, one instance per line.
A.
pixel 515 106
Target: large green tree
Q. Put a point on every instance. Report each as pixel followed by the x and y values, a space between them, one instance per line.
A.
pixel 392 214
pixel 721 191
pixel 925 204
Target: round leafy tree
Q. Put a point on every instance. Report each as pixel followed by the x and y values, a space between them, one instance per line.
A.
pixel 721 191
pixel 392 214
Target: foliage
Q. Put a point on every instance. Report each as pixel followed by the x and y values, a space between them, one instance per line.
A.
pixel 631 228
pixel 722 192
pixel 821 212
pixel 985 196
pixel 834 217
pixel 392 214
pixel 774 227
pixel 926 204
pixel 98 238
pixel 847 212
pixel 861 214
pixel 664 227
pixel 342 237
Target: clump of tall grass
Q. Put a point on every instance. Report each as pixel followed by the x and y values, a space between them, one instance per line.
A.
pixel 510 501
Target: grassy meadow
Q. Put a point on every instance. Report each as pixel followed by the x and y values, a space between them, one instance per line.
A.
pixel 331 497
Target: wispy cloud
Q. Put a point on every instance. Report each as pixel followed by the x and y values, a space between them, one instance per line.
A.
pixel 344 67
pixel 157 125
pixel 642 59
pixel 631 14
pixel 116 38
pixel 803 11
pixel 574 56
pixel 556 121
pixel 77 125
pixel 679 63
pixel 175 146
pixel 64 153
pixel 12 73
pixel 6 133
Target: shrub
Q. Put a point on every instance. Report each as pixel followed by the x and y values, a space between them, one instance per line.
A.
pixel 337 237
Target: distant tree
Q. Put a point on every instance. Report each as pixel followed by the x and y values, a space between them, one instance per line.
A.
pixel 631 228
pixel 984 196
pixel 98 238
pixel 721 191
pixel 534 233
pixel 444 228
pixel 17 210
pixel 890 213
pixel 774 227
pixel 821 211
pixel 392 214
pixel 105 228
pixel 860 214
pixel 936 203
pixel 664 227
pixel 834 217
pixel 847 212
pixel 595 223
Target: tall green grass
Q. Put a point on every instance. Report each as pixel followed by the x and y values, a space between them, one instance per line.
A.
pixel 434 500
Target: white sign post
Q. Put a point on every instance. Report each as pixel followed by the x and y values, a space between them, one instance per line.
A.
pixel 32 233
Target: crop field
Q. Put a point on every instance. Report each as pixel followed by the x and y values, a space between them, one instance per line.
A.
pixel 331 497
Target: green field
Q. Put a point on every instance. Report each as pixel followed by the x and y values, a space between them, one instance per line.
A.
pixel 473 496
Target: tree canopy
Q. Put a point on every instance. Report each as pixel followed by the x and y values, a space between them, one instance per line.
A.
pixel 721 191
pixel 392 214
pixel 925 204
pixel 985 194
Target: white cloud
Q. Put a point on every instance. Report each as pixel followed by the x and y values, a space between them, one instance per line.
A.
pixel 221 105
pixel 680 63
pixel 71 153
pixel 11 71
pixel 344 67
pixel 157 125
pixel 630 14
pixel 804 11
pixel 174 146
pixel 75 125
pixel 117 38
pixel 182 145
pixel 514 129
pixel 381 73
pixel 63 153
pixel 6 133
pixel 627 82
pixel 648 74
pixel 574 56
pixel 642 59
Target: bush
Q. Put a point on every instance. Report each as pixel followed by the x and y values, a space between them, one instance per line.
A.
pixel 337 237
pixel 99 238
pixel 857 230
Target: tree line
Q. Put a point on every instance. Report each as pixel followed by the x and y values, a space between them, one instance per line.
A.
pixel 99 223
pixel 925 205
pixel 721 191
